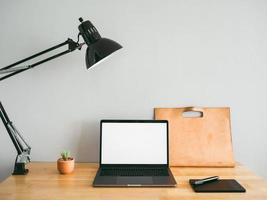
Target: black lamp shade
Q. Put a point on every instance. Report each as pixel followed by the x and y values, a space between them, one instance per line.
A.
pixel 99 50
pixel 98 47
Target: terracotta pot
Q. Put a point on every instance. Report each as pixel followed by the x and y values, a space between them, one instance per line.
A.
pixel 65 166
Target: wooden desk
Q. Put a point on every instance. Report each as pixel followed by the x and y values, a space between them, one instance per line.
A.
pixel 44 182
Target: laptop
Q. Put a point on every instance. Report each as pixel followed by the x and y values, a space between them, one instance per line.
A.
pixel 134 153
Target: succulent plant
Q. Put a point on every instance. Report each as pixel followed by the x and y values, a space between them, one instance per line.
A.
pixel 65 155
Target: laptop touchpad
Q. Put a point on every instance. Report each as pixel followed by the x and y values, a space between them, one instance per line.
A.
pixel 134 180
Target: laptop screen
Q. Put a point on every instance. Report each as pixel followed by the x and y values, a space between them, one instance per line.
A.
pixel 134 142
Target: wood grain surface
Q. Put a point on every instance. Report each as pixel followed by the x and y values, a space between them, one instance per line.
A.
pixel 44 182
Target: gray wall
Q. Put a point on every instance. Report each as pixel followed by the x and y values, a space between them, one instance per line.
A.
pixel 176 53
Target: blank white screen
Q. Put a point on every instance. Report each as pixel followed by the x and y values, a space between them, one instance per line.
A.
pixel 134 143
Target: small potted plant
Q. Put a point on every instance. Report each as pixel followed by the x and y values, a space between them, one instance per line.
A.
pixel 65 164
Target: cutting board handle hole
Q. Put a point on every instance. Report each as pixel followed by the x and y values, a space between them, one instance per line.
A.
pixel 192 114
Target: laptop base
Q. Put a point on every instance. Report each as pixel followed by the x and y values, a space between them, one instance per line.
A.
pixel 134 181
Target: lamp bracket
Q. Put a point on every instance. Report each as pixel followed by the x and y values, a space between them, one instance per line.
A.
pixel 23 149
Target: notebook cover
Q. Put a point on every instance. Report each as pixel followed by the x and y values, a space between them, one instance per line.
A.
pixel 222 185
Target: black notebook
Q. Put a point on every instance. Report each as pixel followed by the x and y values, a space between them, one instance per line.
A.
pixel 222 185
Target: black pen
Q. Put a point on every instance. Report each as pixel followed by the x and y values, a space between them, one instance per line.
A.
pixel 206 180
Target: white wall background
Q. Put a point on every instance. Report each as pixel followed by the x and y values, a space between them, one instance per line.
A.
pixel 176 53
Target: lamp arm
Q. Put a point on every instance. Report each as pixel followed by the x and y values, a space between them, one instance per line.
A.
pixel 12 70
pixel 7 122
pixel 22 148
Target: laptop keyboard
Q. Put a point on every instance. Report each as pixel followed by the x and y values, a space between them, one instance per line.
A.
pixel 130 171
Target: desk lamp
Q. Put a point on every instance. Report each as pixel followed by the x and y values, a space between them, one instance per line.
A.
pixel 98 48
